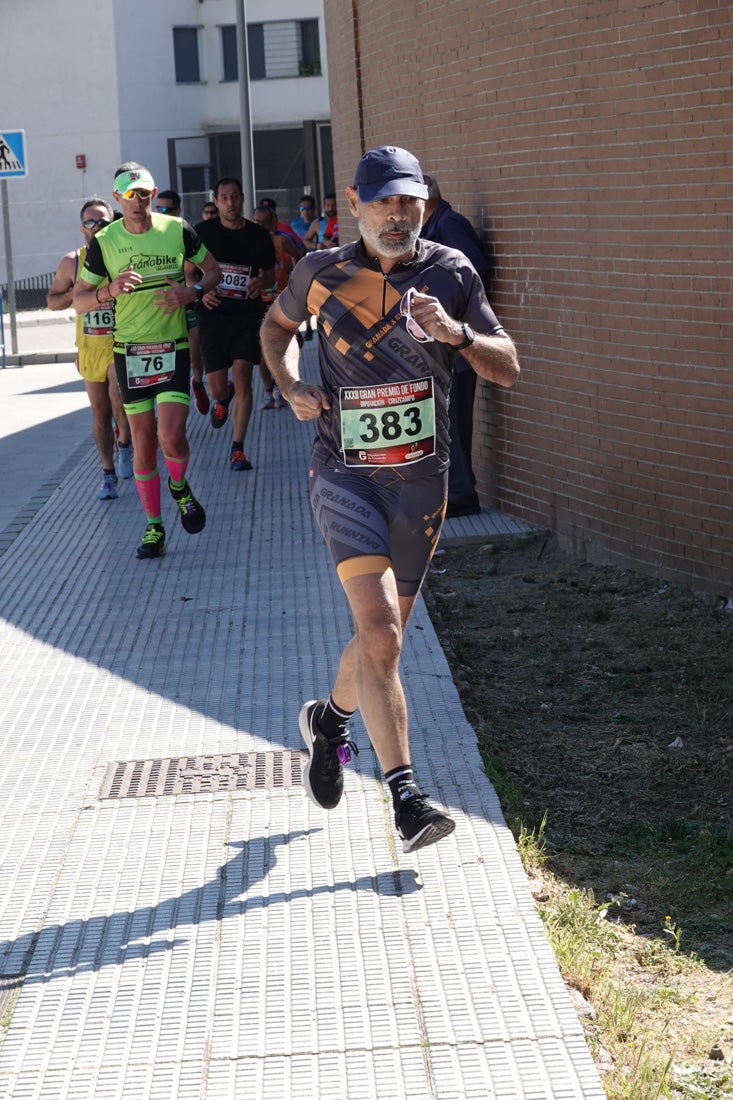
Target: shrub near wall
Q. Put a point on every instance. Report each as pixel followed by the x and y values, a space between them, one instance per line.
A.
pixel 594 141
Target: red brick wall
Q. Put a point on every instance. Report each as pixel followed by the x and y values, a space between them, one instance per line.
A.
pixel 594 142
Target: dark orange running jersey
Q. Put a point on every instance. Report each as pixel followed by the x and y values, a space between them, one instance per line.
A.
pixel 389 392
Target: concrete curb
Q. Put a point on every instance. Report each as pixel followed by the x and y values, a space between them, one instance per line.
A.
pixel 26 359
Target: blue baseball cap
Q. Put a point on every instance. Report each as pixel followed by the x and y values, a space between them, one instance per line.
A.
pixel 388 170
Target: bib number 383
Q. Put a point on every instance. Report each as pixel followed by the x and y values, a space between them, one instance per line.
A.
pixel 392 425
pixel 150 364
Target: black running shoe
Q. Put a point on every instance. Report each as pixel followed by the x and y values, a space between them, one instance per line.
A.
pixel 323 775
pixel 193 517
pixel 420 824
pixel 153 544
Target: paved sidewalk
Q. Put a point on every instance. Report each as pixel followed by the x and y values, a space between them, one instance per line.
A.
pixel 43 336
pixel 176 918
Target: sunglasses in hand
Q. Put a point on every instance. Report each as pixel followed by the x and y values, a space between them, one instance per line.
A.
pixel 415 331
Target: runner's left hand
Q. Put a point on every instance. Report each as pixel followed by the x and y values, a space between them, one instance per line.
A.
pixel 172 298
pixel 432 318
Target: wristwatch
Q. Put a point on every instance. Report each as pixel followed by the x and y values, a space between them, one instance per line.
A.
pixel 468 338
pixel 199 292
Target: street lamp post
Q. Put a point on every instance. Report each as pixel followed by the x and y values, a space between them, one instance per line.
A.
pixel 245 120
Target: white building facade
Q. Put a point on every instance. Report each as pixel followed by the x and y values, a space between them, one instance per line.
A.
pixel 121 80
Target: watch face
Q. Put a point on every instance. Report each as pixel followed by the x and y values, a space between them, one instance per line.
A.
pixel 468 336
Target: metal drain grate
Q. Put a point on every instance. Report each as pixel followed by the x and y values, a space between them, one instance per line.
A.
pixel 243 771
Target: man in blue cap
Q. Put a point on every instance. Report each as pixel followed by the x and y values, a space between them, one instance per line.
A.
pixel 392 312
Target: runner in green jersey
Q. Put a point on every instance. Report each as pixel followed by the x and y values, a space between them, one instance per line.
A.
pixel 139 262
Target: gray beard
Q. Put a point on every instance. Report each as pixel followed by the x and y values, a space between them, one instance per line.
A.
pixel 391 249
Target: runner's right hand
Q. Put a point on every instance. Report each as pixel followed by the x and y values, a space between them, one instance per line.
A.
pixel 125 282
pixel 307 401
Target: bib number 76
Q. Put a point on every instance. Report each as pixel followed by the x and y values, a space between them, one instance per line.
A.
pixel 152 362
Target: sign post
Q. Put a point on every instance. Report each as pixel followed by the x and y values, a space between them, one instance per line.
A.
pixel 13 165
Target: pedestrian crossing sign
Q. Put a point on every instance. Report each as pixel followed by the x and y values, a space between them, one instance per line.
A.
pixel 12 154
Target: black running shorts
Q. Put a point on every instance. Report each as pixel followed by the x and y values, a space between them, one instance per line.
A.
pixel 147 388
pixel 366 518
pixel 226 337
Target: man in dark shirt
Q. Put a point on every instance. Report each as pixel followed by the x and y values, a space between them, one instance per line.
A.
pixel 392 313
pixel 444 225
pixel 232 313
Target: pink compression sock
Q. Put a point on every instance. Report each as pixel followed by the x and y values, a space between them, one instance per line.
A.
pixel 177 469
pixel 148 487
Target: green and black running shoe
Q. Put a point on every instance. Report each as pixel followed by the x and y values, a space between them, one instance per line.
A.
pixel 153 544
pixel 193 517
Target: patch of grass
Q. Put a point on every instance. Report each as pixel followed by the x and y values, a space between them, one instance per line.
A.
pixel 586 945
pixel 696 1083
pixel 531 845
pixel 643 1079
pixel 507 790
pixel 603 705
pixel 583 940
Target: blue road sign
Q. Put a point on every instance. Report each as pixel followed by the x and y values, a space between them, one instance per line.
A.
pixel 13 161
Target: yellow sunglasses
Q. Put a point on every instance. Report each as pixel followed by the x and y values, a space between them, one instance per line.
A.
pixel 136 193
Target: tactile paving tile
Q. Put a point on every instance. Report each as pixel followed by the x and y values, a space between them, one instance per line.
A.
pixel 242 943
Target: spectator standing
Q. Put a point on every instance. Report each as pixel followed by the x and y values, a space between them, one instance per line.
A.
pixel 95 359
pixel 307 215
pixel 314 238
pixel 331 233
pixel 444 225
